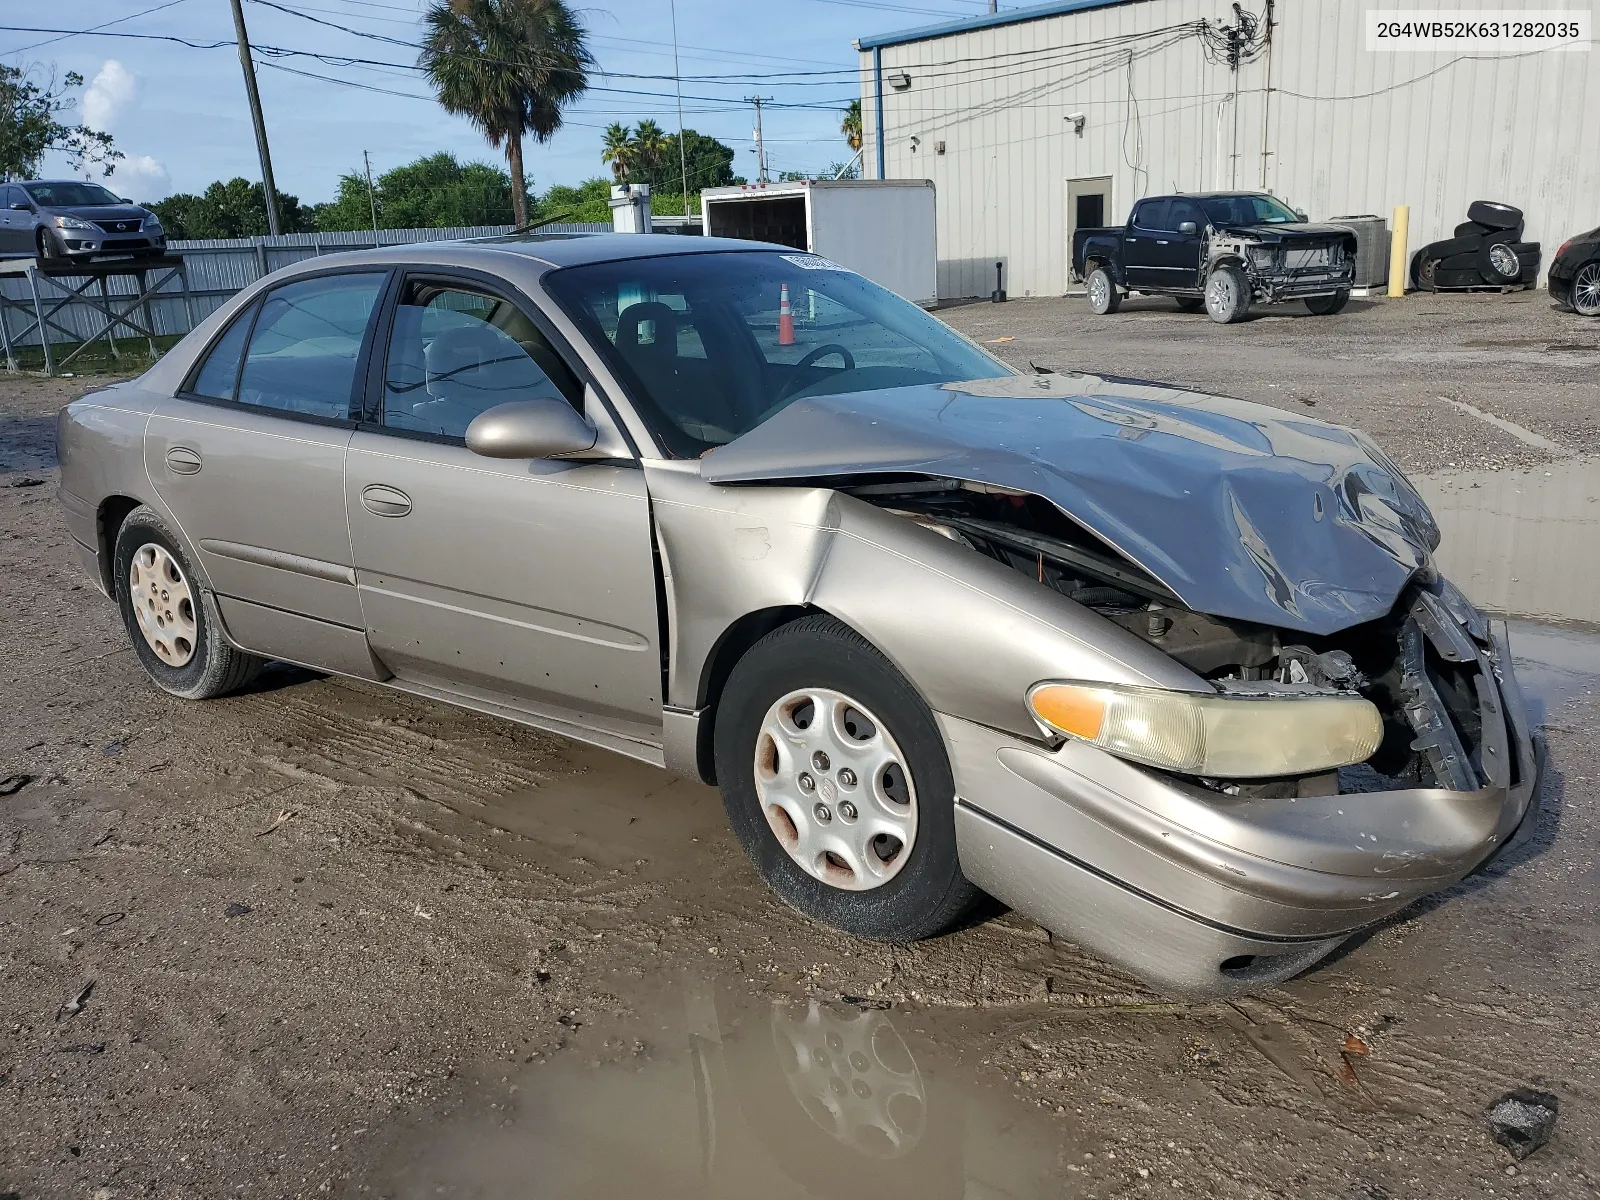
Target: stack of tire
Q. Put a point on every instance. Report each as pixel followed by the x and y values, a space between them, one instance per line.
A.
pixel 1486 251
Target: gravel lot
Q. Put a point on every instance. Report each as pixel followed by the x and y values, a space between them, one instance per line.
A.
pixel 346 942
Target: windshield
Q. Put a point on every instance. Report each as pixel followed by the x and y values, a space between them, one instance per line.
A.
pixel 70 195
pixel 1247 210
pixel 708 352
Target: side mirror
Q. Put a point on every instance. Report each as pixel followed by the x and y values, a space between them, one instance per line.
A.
pixel 541 428
pixel 1187 227
pixel 126 199
pixel 1301 213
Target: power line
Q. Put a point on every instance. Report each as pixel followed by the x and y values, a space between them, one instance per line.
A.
pixel 105 25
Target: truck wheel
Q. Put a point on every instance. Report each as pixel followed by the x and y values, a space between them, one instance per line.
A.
pixel 1227 295
pixel 1104 298
pixel 1423 272
pixel 836 782
pixel 1190 303
pixel 1326 306
pixel 173 632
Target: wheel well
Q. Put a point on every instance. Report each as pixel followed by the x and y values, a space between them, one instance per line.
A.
pixel 735 641
pixel 113 512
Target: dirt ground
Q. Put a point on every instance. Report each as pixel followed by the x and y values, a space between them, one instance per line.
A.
pixel 321 939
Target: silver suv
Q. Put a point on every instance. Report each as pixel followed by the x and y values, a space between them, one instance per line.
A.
pixel 71 219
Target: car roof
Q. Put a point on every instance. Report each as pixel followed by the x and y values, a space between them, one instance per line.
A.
pixel 576 249
pixel 56 182
pixel 1212 195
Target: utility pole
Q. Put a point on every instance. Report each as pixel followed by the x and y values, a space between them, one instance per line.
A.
pixel 761 146
pixel 372 198
pixel 254 97
pixel 677 83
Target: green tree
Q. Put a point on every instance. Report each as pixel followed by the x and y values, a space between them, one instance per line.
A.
pixel 434 192
pixel 707 162
pixel 851 125
pixel 589 201
pixel 32 124
pixel 617 149
pixel 649 151
pixel 510 67
pixel 232 209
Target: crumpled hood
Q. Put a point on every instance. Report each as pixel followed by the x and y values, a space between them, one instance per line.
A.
pixel 1301 231
pixel 1244 511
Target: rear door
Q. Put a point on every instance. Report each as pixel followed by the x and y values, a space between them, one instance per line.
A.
pixel 529 583
pixel 249 459
pixel 1140 254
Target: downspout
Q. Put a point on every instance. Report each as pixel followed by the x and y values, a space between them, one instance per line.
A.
pixel 877 100
pixel 1266 100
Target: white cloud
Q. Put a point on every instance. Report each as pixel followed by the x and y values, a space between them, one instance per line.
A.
pixel 140 177
pixel 109 93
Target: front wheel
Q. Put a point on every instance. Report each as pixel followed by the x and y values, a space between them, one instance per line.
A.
pixel 837 784
pixel 1227 295
pixel 1104 298
pixel 1326 306
pixel 1586 290
pixel 174 635
pixel 47 248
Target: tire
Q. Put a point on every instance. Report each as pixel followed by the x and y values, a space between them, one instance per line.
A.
pixel 1227 296
pixel 1460 262
pixel 197 662
pixel 913 894
pixel 48 249
pixel 1585 296
pixel 1499 263
pixel 1471 229
pixel 1494 214
pixel 1451 247
pixel 1459 279
pixel 1532 257
pixel 1326 306
pixel 1191 303
pixel 1104 298
pixel 1422 272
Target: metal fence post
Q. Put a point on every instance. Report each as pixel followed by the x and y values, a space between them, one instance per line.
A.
pixel 44 331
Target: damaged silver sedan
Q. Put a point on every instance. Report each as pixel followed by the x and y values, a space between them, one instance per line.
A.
pixel 1170 673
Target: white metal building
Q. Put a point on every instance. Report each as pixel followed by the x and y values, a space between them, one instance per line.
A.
pixel 1032 121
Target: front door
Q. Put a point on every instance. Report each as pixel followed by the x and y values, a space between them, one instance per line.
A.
pixel 16 225
pixel 526 583
pixel 1177 250
pixel 249 458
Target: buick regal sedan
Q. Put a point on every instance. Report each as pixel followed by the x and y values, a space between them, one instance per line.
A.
pixel 1170 673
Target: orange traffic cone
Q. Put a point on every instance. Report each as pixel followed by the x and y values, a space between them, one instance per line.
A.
pixel 785 318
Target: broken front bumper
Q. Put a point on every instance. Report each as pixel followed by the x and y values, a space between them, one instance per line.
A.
pixel 1205 894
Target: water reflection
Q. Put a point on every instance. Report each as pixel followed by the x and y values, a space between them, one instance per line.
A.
pixel 725 1094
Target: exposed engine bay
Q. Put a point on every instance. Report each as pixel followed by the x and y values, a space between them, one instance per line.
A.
pixel 1426 665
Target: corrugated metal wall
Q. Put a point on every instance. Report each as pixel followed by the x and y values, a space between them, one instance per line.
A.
pixel 219 267
pixel 1342 130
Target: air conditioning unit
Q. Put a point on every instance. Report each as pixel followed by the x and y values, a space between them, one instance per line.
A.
pixel 1372 248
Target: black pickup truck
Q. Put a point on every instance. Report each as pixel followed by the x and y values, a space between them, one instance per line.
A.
pixel 1223 250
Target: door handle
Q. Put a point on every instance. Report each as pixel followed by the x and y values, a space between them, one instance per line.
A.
pixel 1161 241
pixel 183 461
pixel 384 501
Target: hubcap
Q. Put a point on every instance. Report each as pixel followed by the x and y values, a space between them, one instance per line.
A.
pixel 1586 291
pixel 835 788
pixel 163 604
pixel 854 1076
pixel 1504 260
pixel 1218 294
pixel 1097 291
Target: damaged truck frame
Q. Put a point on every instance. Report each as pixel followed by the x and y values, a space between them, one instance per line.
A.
pixel 1170 673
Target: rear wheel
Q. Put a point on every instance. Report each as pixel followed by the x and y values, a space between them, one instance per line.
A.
pixel 1104 298
pixel 176 638
pixel 1326 306
pixel 1586 290
pixel 1227 295
pixel 836 782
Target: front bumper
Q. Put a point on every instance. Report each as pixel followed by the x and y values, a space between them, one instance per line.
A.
pixel 1203 894
pixel 1275 288
pixel 82 243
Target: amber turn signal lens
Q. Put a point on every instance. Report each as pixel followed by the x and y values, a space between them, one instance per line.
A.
pixel 1076 710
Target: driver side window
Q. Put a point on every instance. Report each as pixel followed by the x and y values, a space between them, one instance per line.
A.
pixel 456 352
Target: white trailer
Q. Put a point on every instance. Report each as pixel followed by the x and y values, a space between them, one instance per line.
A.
pixel 880 228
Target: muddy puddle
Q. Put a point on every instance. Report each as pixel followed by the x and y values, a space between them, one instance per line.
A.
pixel 708 1090
pixel 1525 542
pixel 27 443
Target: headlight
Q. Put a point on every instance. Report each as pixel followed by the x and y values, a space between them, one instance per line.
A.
pixel 1222 736
pixel 1263 256
pixel 74 223
pixel 152 225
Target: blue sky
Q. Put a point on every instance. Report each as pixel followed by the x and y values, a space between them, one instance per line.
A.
pixel 179 114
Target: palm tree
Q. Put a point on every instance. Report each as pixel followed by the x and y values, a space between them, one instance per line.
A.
pixel 649 143
pixel 618 150
pixel 509 67
pixel 851 125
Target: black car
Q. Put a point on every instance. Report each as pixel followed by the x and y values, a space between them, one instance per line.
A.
pixel 1575 274
pixel 1223 250
pixel 68 219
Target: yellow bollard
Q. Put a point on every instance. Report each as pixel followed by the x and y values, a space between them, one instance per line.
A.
pixel 1397 249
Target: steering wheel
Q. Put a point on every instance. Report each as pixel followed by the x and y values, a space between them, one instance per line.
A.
pixel 810 359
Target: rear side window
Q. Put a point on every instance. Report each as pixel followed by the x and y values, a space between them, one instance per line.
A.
pixel 220 372
pixel 306 343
